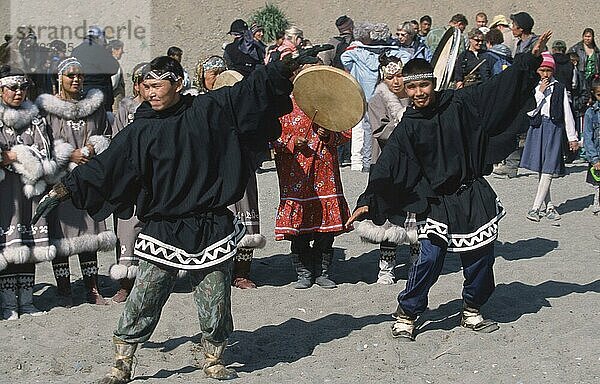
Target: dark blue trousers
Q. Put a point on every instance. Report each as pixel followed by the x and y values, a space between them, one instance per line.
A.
pixel 477 270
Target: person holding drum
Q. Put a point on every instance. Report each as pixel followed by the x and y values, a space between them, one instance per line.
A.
pixel 312 205
pixel 433 165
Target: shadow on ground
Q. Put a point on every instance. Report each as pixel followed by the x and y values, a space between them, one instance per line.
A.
pixel 270 345
pixel 575 205
pixel 293 339
pixel 508 303
pixel 525 249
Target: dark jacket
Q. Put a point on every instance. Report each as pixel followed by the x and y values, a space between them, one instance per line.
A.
pixel 434 162
pixel 98 66
pixel 564 70
pixel 239 61
pixel 183 166
pixel 467 61
pixel 580 51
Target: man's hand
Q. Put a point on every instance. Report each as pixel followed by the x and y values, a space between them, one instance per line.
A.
pixel 360 211
pixel 597 166
pixel 51 200
pixel 540 44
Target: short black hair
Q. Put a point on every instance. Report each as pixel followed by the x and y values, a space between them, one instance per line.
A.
pixel 279 35
pixel 494 37
pixel 174 51
pixel 416 67
pixel 573 55
pixel 459 18
pixel 425 18
pixel 138 72
pixel 116 44
pixel 595 83
pixel 8 70
pixel 166 64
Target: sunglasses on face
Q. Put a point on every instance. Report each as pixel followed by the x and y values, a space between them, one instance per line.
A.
pixel 478 40
pixel 18 87
pixel 74 75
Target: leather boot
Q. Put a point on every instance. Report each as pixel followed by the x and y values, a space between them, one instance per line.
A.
pixel 25 293
pixel 62 274
pixel 93 295
pixel 213 361
pixel 241 269
pixel 324 261
pixel 121 372
pixel 124 290
pixel 8 293
pixel 303 266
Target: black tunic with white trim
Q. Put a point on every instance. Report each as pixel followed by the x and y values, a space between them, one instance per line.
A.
pixel 435 160
pixel 182 167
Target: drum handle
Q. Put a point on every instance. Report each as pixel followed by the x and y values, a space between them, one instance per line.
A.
pixel 311 123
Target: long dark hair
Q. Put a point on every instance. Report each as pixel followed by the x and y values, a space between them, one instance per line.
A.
pixel 591 31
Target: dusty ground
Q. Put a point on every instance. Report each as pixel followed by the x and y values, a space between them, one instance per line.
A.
pixel 546 302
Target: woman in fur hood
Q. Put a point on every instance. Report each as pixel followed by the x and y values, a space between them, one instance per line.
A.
pixel 386 108
pixel 27 162
pixel 80 120
pixel 125 269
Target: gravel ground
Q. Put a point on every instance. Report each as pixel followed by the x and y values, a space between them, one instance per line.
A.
pixel 546 302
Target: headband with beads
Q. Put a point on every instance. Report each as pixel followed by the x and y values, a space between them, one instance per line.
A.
pixel 419 76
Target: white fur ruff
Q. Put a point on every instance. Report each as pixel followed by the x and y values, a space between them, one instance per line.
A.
pixel 69 110
pixel 100 143
pixel 31 190
pixel 119 271
pixel 18 254
pixel 19 118
pixel 55 169
pixel 62 152
pixel 31 169
pixel 23 254
pixel 377 234
pixel 256 241
pixel 28 165
pixel 104 241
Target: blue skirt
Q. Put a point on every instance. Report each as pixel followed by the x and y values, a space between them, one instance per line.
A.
pixel 543 149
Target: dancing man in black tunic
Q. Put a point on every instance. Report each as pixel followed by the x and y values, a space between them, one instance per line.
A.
pixel 433 164
pixel 181 162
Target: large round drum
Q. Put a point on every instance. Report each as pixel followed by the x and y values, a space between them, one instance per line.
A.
pixel 331 97
pixel 227 79
pixel 444 57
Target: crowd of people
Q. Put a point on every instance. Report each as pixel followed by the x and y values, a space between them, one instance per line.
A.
pixel 187 200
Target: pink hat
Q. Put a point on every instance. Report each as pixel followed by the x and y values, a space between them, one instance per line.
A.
pixel 548 61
